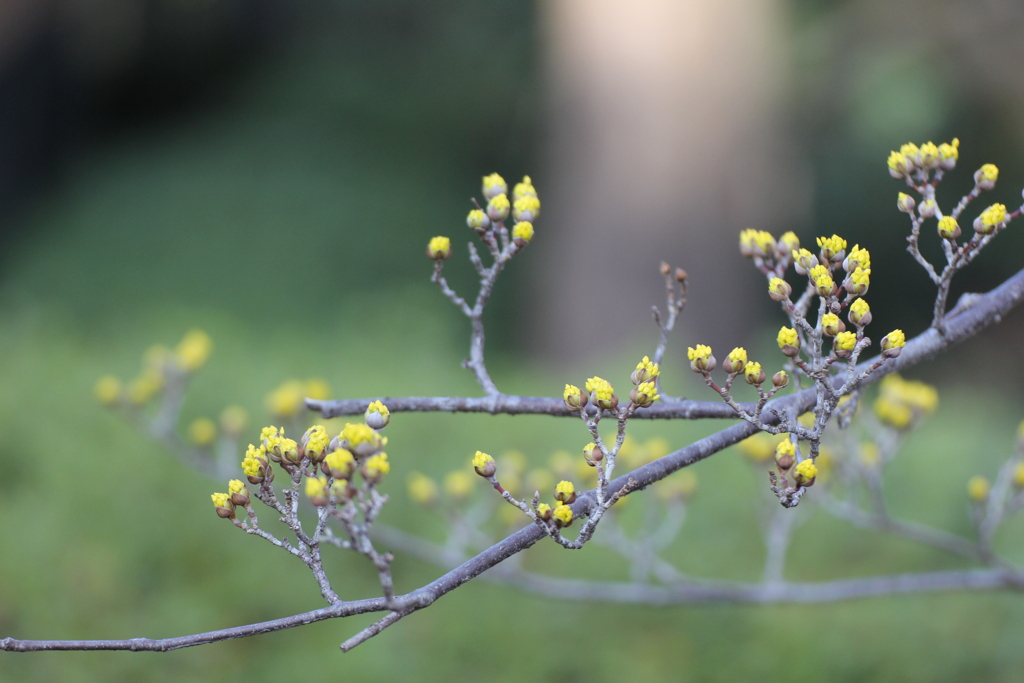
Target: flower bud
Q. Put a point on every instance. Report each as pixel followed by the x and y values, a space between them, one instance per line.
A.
pixel 735 361
pixel 317 491
pixel 832 248
pixel 899 165
pixel 860 313
pixel 701 359
pixel 844 344
pixel 644 395
pixel 339 464
pixel 803 261
pixel 593 454
pixel 223 505
pixel 927 208
pixel 565 492
pixel 238 492
pixel 948 154
pixel 665 268
pixel 986 176
pixel 905 203
pixel 493 186
pixel 789 342
pixel 375 468
pixel 439 248
pixel 785 454
pixel 787 244
pixel 893 343
pixel 483 465
pixel 573 397
pixel 948 228
pixel 929 154
pixel 498 208
pixel 526 209
pixel 805 473
pixel 377 415
pixel 779 289
pixel 831 325
pixel 544 512
pixel 780 379
pixel 478 220
pixel 978 489
pixel 602 394
pixel 562 516
pixel 522 233
pixel 680 275
pixel 645 371
pixel 754 374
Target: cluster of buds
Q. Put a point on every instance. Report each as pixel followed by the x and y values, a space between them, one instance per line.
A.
pixel 358 448
pixel 488 221
pixel 805 471
pixel 161 367
pixel 224 503
pixel 771 256
pixel 911 159
pixel 702 361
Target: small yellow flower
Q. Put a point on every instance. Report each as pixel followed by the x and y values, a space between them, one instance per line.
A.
pixel 478 220
pixel 899 164
pixel 422 489
pixel 494 185
pixel 526 209
pixel 193 350
pixel 905 203
pixel 831 246
pixel 484 464
pixel 948 228
pixel 645 394
pixel 858 310
pixel 830 324
pixel 892 343
pixel 316 488
pixel 377 415
pixel 202 432
pixel 993 215
pixel 700 358
pixel 458 484
pixel 285 401
pixel 858 258
pixel 736 360
pixel 341 463
pixel 753 373
pixel 361 439
pixel 221 500
pixel 949 153
pixel 562 515
pixel 439 248
pixel 990 172
pixel 978 488
pixel 233 420
pixel 859 281
pixel 523 230
pixel 929 155
pixel 645 371
pixel 143 388
pixel 376 467
pixel 601 388
pixel 544 511
pixel 524 189
pixel 1018 476
pixel 805 472
pixel 788 337
pixel 845 341
pixel 564 491
pixel 786 447
pixel 788 243
pixel 236 486
pixel 316 440
pixel 779 289
pixel 803 261
pixel 498 208
pixel 108 390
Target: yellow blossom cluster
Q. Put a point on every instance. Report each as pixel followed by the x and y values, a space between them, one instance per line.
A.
pixel 900 402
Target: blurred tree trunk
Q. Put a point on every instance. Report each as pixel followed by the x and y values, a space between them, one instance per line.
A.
pixel 663 143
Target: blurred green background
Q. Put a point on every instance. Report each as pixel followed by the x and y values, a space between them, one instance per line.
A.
pixel 270 173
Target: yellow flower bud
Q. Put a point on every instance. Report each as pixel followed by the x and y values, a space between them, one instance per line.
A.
pixel 700 358
pixel 978 489
pixel 562 516
pixel 439 248
pixel 493 186
pixel 484 465
pixel 805 473
pixel 108 390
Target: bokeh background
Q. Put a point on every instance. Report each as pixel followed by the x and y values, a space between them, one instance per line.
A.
pixel 269 171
